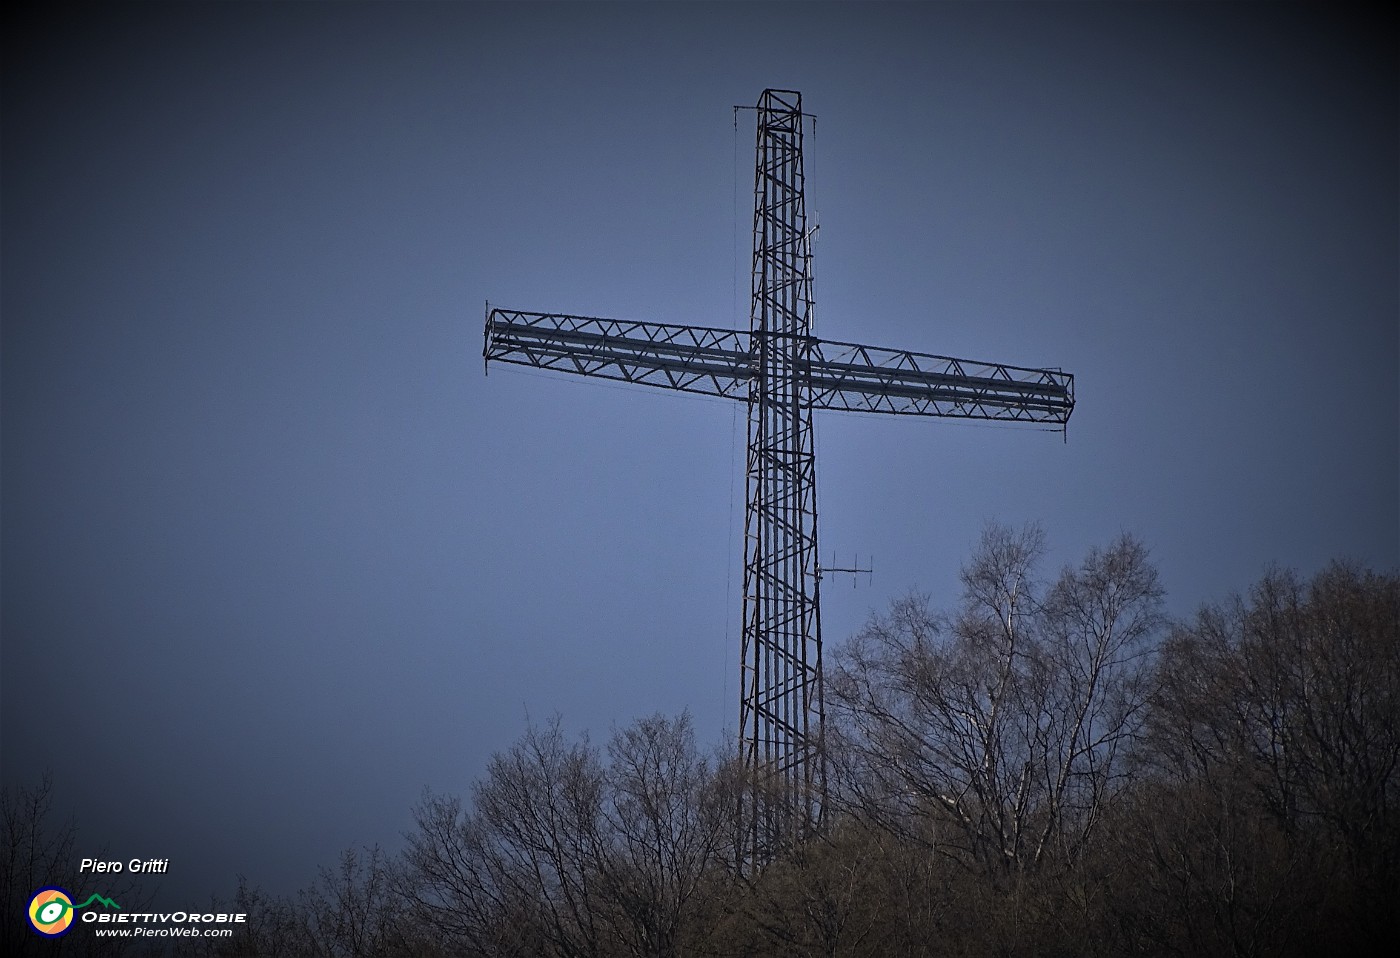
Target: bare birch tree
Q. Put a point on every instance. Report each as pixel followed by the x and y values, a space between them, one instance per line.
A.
pixel 998 734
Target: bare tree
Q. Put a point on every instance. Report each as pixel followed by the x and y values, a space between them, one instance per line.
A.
pixel 851 890
pixel 1282 709
pixel 519 873
pixel 1101 622
pixel 668 825
pixel 997 736
pixel 566 855
pixel 354 910
pixel 276 927
pixel 36 851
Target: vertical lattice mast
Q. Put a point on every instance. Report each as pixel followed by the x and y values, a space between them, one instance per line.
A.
pixel 781 707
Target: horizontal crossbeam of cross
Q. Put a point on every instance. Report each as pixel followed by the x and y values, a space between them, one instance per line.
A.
pixel 722 362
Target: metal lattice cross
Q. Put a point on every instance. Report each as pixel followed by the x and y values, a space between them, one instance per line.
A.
pixel 783 373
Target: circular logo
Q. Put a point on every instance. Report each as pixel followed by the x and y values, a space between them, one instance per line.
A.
pixel 51 912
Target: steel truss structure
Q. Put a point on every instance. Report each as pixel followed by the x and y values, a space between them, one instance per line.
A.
pixel 783 373
pixel 718 362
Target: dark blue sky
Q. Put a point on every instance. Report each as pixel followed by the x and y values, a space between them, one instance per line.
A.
pixel 276 555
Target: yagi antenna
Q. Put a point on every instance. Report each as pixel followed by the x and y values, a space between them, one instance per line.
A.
pixel 855 571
